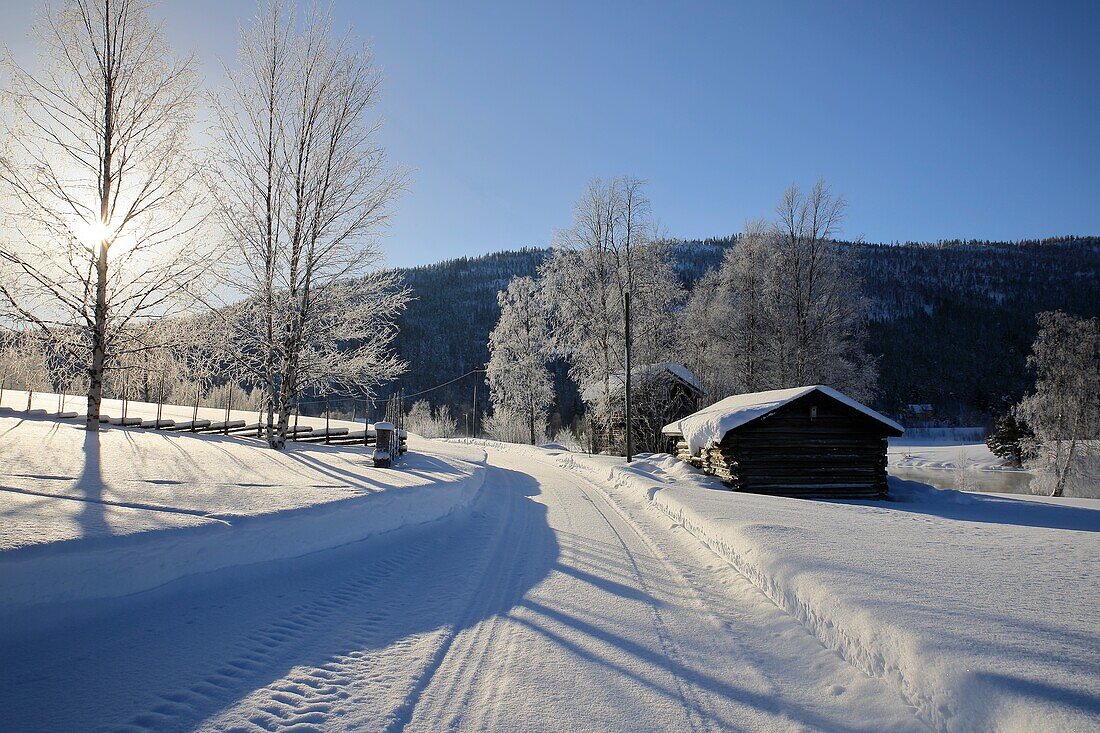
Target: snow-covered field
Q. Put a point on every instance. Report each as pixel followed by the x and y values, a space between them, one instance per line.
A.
pixel 932 453
pixel 482 586
pixel 96 515
pixel 980 610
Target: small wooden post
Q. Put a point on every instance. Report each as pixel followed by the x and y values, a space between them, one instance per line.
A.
pixel 160 403
pixel 2 383
pixel 228 406
pixel 195 412
pixel 326 422
pixel 366 421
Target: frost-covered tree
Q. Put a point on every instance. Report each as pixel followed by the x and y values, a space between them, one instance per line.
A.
pixel 423 420
pixel 820 311
pixel 520 383
pixel 609 250
pixel 23 362
pixel 303 192
pixel 728 326
pixel 96 180
pixel 784 308
pixel 1064 410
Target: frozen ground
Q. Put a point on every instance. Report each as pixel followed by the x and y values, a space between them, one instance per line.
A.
pixel 980 610
pixel 568 594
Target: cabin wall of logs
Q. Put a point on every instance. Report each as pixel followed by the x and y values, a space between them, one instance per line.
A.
pixel 811 447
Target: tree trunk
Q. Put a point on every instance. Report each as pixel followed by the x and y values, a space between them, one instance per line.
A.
pixel 531 419
pixel 99 342
pixel 1060 486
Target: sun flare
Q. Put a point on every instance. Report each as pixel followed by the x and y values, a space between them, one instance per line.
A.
pixel 92 234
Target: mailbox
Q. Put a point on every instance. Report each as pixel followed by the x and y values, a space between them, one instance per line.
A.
pixel 385 444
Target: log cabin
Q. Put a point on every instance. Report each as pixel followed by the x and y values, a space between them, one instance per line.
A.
pixel 660 392
pixel 806 441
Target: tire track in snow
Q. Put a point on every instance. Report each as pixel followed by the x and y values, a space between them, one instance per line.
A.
pixel 688 695
pixel 264 647
pixel 470 644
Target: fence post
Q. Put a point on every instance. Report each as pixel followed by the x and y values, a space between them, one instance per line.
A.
pixel 326 421
pixel 228 407
pixel 160 405
pixel 195 412
pixel 2 383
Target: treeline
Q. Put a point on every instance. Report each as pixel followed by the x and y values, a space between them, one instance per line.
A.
pixel 949 323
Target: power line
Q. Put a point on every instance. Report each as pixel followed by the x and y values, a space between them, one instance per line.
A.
pixel 439 386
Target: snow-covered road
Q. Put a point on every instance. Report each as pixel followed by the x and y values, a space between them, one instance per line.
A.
pixel 550 607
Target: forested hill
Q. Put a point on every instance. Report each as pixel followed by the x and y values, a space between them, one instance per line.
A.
pixel 952 322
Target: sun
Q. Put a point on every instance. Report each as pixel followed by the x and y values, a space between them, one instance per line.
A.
pixel 91 234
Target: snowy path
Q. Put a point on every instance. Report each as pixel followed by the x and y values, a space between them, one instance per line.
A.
pixel 549 608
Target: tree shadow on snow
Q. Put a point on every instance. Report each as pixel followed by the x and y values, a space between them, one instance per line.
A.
pixel 92 518
pixel 169 658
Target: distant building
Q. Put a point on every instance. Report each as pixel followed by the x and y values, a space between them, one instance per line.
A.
pixel 806 441
pixel 659 394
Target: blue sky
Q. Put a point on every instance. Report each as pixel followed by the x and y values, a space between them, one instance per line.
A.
pixel 936 120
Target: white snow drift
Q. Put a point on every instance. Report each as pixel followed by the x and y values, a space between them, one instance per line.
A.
pixel 980 609
pixel 91 515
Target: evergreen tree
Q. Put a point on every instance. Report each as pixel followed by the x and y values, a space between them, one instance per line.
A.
pixel 1009 438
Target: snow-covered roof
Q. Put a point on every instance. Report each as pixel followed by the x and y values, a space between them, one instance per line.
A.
pixel 640 375
pixel 710 425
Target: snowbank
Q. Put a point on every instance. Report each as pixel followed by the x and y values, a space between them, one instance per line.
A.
pixel 980 609
pixel 109 514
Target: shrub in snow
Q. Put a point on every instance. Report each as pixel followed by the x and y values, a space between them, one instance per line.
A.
pixel 510 427
pixel 425 421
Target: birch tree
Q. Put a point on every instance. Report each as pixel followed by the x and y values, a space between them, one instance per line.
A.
pixel 608 251
pixel 97 183
pixel 520 383
pixel 1064 410
pixel 819 310
pixel 303 191
pixel 729 322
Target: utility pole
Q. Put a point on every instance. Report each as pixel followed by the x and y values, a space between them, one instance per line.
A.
pixel 473 418
pixel 629 426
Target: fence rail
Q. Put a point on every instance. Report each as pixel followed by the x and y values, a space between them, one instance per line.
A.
pixel 170 418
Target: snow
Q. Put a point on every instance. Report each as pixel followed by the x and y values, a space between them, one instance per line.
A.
pixel 484 586
pixel 93 515
pixel 933 453
pixel 980 610
pixel 544 606
pixel 708 426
